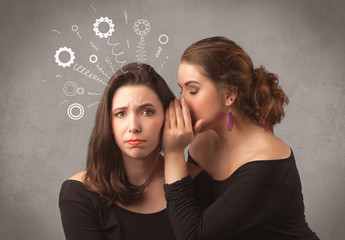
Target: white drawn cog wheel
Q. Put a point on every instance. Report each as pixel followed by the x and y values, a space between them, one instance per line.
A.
pixel 70 89
pixel 141 22
pixel 106 20
pixel 69 62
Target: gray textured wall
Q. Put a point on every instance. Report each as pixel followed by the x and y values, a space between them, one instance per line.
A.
pixel 41 145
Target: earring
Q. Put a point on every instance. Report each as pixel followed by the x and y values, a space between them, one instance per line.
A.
pixel 230 120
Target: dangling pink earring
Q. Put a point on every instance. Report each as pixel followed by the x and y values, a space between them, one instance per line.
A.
pixel 230 121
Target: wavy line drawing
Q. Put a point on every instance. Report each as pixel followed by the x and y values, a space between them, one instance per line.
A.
pixel 141 56
pixel 107 60
pixel 116 54
pixel 101 70
pixel 94 9
pixel 94 94
pixel 126 16
pixel 93 45
pixel 92 104
pixel 158 52
pixel 161 67
pixel 56 31
pixel 127 41
pixel 63 102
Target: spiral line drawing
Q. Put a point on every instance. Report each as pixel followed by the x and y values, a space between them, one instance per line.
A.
pixel 141 56
pixel 158 52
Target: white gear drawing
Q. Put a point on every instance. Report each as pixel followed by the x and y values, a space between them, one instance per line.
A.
pixel 141 22
pixel 68 86
pixel 70 61
pixel 80 90
pixel 106 20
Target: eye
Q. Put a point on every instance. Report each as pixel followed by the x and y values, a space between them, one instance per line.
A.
pixel 119 114
pixel 193 91
pixel 148 112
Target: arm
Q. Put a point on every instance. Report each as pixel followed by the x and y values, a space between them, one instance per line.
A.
pixel 79 218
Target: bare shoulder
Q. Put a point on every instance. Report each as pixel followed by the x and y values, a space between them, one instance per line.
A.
pixel 78 177
pixel 193 170
pixel 274 149
pixel 202 145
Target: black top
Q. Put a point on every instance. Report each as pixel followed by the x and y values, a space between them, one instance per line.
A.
pixel 85 216
pixel 260 200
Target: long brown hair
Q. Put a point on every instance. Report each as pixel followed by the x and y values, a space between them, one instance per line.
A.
pixel 259 96
pixel 105 173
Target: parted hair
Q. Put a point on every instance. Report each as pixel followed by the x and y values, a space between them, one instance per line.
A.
pixel 259 97
pixel 105 172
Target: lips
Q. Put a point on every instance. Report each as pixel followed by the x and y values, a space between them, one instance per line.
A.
pixel 135 142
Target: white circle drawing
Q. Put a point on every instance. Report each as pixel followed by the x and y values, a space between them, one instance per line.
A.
pixel 101 20
pixel 146 27
pixel 69 62
pixel 70 109
pixel 163 36
pixel 80 90
pixel 70 89
pixel 74 28
pixel 93 58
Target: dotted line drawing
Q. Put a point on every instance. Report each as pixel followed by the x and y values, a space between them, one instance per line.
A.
pixel 73 106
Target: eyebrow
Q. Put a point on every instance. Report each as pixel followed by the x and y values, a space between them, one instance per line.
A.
pixel 146 105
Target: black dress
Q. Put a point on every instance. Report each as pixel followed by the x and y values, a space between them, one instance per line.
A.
pixel 85 216
pixel 260 200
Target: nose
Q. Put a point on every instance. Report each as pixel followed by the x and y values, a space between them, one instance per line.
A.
pixel 134 124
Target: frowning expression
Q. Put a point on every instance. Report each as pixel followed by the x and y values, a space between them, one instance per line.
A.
pixel 137 120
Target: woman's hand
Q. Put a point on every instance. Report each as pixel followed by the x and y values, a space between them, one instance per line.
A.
pixel 178 130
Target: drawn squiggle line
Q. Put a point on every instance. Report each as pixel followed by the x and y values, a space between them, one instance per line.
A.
pixel 63 102
pixel 94 9
pixel 158 52
pixel 92 104
pixel 127 43
pixel 126 17
pixel 161 67
pixel 94 94
pixel 56 31
pixel 101 70
pixel 107 60
pixel 116 54
pixel 141 51
pixel 94 45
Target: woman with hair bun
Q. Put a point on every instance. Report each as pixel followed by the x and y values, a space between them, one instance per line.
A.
pixel 226 113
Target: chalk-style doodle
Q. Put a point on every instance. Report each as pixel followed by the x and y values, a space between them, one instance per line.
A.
pixel 58 76
pixel 93 58
pixel 75 29
pixel 102 71
pixel 107 60
pixel 141 56
pixel 163 39
pixel 127 41
pixel 82 70
pixel 63 102
pixel 69 62
pixel 94 46
pixel 70 89
pixel 104 20
pixel 126 16
pixel 80 90
pixel 94 94
pixel 142 27
pixel 94 9
pixel 56 31
pixel 92 104
pixel 73 116
pixel 161 67
pixel 116 54
pixel 158 52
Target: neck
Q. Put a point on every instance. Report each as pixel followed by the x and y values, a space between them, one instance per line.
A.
pixel 143 170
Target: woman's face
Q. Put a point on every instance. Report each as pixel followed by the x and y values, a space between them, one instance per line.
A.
pixel 202 96
pixel 137 120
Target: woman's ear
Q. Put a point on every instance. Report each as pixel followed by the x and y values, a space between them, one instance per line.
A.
pixel 230 95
